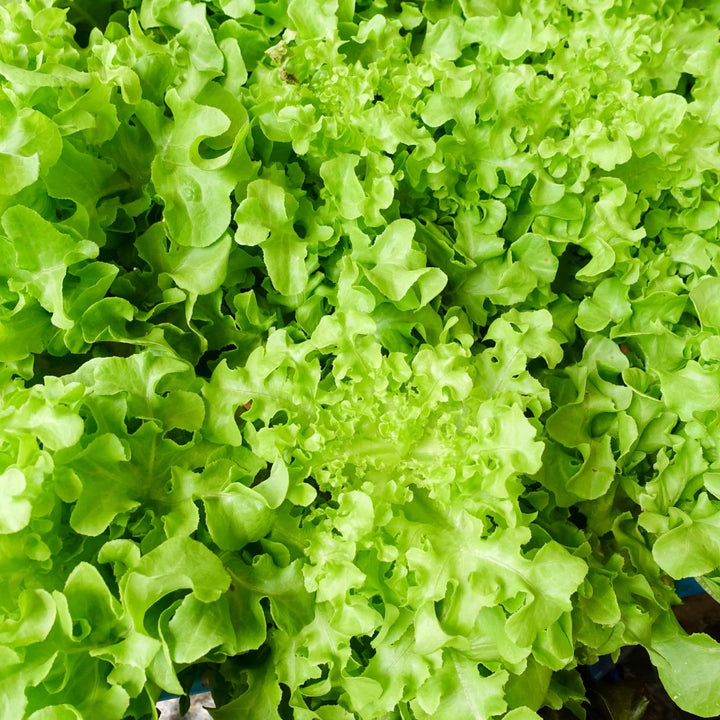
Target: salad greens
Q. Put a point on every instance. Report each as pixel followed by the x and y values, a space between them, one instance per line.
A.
pixel 362 353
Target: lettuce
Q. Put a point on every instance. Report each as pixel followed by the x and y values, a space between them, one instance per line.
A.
pixel 360 354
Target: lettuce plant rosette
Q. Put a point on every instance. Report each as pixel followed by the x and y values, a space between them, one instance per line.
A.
pixel 363 354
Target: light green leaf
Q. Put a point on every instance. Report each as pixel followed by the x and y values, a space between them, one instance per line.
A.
pixel 705 296
pixel 102 496
pixel 608 304
pixel 237 516
pixel 43 255
pixel 56 712
pixel 36 616
pixel 196 197
pixel 313 18
pixel 265 218
pixel 261 699
pixel 198 627
pixel 343 186
pixel 690 550
pixel 29 142
pixel 458 690
pixel 688 666
pixel 15 510
pixel 178 563
pixel 90 601
pixel 200 270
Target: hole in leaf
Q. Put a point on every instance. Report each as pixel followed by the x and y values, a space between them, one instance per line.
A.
pixel 132 425
pixel 362 648
pixel 285 711
pixel 261 476
pixel 279 418
pixel 685 86
pixel 179 436
pixel 577 518
pixel 64 209
pixel 81 629
pixel 85 15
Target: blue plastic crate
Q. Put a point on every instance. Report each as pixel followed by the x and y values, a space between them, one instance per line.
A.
pixel 687 587
pixel 197 687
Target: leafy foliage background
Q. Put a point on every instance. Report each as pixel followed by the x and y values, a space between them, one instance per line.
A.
pixel 363 352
